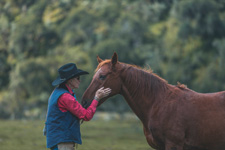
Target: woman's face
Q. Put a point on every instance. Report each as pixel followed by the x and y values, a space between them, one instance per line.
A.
pixel 74 82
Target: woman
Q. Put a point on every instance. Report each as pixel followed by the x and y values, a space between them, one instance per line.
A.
pixel 62 125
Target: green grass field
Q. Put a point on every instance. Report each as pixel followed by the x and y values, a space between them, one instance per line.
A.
pixel 96 135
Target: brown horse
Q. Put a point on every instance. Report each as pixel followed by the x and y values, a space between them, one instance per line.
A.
pixel 173 117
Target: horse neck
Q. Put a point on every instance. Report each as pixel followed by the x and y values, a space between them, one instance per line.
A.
pixel 141 90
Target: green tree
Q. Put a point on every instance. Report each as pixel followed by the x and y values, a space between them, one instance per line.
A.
pixel 181 40
pixel 30 86
pixel 29 37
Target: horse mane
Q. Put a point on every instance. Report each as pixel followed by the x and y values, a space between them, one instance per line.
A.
pixel 102 63
pixel 144 79
pixel 182 86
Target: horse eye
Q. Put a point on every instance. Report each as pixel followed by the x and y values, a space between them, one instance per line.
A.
pixel 102 77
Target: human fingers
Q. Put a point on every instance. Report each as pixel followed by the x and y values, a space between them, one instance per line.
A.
pixel 101 88
pixel 107 91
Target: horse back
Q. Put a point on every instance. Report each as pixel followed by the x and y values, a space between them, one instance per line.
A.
pixel 206 102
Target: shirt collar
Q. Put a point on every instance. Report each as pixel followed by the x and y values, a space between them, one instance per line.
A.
pixel 70 90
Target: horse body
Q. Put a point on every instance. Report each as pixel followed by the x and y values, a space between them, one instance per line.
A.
pixel 180 116
pixel 173 117
pixel 192 123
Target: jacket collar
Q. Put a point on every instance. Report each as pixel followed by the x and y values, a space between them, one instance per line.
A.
pixel 70 90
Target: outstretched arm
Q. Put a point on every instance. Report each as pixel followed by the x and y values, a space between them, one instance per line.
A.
pixel 68 103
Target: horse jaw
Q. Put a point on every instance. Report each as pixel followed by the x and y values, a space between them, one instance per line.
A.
pixel 87 102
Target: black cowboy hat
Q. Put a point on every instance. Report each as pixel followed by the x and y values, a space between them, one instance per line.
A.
pixel 66 72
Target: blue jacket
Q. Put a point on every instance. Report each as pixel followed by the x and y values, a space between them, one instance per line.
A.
pixel 61 126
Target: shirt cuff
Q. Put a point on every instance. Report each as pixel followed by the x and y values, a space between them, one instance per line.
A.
pixel 94 103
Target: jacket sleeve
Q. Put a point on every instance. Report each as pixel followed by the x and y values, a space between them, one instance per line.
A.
pixel 67 102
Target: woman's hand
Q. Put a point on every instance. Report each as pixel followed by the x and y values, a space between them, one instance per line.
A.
pixel 101 93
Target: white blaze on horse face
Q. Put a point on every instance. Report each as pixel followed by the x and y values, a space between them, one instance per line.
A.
pixel 98 70
pixel 96 74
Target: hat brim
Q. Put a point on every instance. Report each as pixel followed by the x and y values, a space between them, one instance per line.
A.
pixel 58 80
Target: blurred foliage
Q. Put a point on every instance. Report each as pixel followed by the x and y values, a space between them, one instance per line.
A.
pixel 181 40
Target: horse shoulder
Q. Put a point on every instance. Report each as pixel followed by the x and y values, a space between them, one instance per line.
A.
pixel 168 119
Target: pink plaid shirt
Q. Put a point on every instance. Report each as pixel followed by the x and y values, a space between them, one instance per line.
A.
pixel 67 102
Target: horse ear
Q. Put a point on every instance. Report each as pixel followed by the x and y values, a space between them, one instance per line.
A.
pixel 99 59
pixel 114 58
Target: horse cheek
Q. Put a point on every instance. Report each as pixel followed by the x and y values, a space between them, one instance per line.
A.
pixel 89 93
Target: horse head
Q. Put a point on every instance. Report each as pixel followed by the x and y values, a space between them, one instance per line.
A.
pixel 107 76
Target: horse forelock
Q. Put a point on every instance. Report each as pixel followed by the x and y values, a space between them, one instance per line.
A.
pixel 102 63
